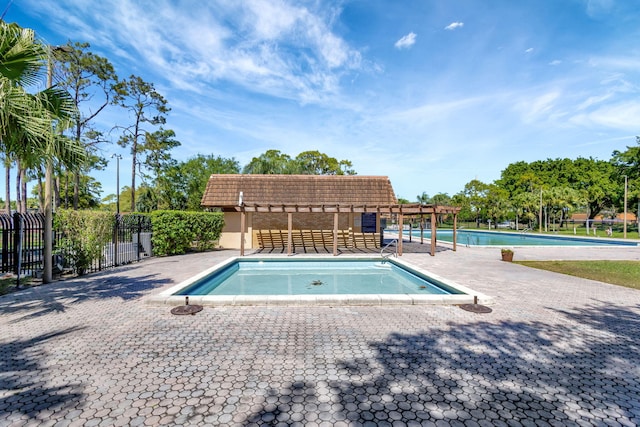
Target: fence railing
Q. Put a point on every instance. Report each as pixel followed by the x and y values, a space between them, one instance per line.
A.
pixel 23 243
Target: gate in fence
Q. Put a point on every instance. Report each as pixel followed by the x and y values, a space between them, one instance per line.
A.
pixel 23 242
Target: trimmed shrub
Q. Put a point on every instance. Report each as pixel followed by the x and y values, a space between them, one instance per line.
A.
pixel 176 232
pixel 84 235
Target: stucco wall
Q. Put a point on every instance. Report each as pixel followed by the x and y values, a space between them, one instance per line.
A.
pixel 230 237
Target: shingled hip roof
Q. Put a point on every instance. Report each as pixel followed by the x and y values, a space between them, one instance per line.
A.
pixel 223 190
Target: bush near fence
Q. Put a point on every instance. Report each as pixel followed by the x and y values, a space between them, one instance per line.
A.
pixel 85 234
pixel 176 232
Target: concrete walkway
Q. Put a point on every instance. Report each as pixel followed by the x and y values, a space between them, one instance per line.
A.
pixel 556 350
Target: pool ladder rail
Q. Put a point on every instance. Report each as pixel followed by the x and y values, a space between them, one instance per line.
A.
pixel 384 256
pixel 470 240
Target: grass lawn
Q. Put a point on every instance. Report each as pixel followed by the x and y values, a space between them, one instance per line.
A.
pixel 581 232
pixel 623 273
pixel 8 284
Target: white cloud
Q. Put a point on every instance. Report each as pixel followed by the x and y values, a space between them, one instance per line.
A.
pixel 430 113
pixel 454 25
pixel 529 50
pixel 272 20
pixel 280 48
pixel 615 62
pixel 406 41
pixel 596 8
pixel 593 100
pixel 620 116
pixel 536 108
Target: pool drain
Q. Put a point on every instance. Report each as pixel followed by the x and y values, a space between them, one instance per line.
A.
pixel 186 308
pixel 475 307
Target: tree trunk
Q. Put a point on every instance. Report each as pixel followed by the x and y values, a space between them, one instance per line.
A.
pixel 40 194
pixel 66 189
pixel 76 190
pixel 7 200
pixel 23 188
pixel 18 200
pixel 56 192
pixel 133 179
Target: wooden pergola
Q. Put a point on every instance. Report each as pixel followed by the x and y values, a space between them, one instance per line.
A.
pixel 401 210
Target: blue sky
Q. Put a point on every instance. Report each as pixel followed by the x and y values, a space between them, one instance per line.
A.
pixel 432 93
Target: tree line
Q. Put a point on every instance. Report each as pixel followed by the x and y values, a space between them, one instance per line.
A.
pixel 552 188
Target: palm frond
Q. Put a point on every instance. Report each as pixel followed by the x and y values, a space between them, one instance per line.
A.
pixel 22 58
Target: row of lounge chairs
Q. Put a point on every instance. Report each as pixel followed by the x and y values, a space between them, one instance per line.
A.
pixel 316 239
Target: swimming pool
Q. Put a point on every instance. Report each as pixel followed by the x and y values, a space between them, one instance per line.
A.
pixel 494 238
pixel 316 281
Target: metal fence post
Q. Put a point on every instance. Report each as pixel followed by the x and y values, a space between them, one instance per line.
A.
pixel 18 224
pixel 16 242
pixel 139 231
pixel 6 226
pixel 116 237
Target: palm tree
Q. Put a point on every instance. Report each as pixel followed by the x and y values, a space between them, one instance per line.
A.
pixel 28 122
pixel 423 198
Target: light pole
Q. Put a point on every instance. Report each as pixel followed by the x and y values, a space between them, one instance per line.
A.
pixel 118 157
pixel 47 262
pixel 625 207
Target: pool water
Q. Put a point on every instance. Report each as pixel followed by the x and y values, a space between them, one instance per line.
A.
pixel 492 238
pixel 303 277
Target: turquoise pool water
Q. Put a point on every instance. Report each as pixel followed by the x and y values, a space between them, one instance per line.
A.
pixel 315 277
pixel 488 238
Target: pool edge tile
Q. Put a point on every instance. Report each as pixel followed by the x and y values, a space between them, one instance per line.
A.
pixel 404 299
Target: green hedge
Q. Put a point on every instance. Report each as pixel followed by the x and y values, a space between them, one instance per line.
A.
pixel 84 235
pixel 176 232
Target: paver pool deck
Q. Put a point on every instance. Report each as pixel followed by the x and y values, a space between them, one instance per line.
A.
pixel 556 350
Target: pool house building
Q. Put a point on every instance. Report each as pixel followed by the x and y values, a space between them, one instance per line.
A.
pixel 309 213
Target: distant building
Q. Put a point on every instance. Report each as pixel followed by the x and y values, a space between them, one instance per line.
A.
pixel 267 201
pixel 581 217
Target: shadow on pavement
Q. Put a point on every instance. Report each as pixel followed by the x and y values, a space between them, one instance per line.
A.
pixel 485 371
pixel 56 297
pixel 22 381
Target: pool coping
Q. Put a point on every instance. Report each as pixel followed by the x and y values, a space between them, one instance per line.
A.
pixel 166 296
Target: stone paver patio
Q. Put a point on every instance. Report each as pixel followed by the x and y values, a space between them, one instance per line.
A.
pixel 556 350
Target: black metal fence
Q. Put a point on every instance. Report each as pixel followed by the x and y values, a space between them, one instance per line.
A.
pixel 23 243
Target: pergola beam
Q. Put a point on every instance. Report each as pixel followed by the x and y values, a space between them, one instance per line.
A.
pixel 401 210
pixel 405 209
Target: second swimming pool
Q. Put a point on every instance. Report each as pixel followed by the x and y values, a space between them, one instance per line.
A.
pixel 493 238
